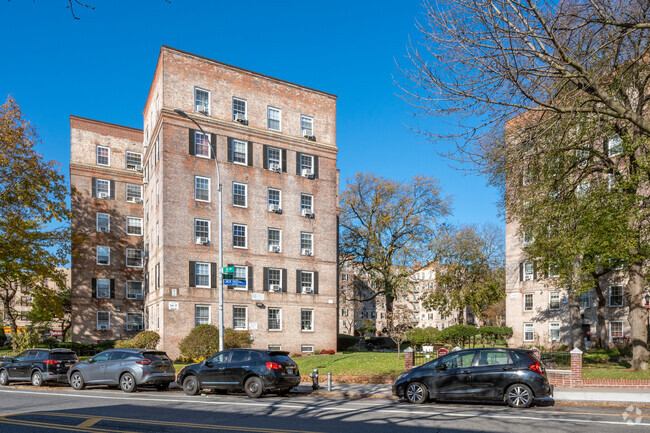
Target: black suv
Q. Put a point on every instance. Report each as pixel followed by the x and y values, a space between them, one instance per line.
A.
pixel 38 366
pixel 254 371
pixel 513 375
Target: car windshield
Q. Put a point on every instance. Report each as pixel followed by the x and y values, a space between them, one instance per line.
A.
pixel 69 356
pixel 156 356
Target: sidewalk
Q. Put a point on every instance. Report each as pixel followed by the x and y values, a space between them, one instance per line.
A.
pixel 613 396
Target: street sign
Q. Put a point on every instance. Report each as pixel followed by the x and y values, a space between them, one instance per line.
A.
pixel 228 269
pixel 442 351
pixel 234 282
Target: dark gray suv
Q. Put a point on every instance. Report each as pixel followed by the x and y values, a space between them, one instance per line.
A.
pixel 124 368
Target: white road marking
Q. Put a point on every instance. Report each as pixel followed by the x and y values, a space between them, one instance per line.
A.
pixel 324 408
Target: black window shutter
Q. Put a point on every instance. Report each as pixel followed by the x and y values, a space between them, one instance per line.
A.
pixel 94 187
pixel 112 190
pixel 521 272
pixel 229 149
pixel 250 153
pixel 315 283
pixel 265 156
pixel 192 152
pixel 284 160
pixel 213 145
pixel 192 282
pixel 94 286
pixel 534 271
pixel 213 275
pixel 298 163
pixel 265 273
pixel 112 288
pixel 284 280
pixel 298 281
pixel 233 275
pixel 315 167
pixel 250 278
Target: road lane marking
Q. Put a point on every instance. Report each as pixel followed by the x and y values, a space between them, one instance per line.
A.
pixel 334 409
pixel 88 423
pixel 60 426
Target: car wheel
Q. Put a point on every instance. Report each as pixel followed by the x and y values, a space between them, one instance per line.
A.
pixel 191 385
pixel 416 393
pixel 519 395
pixel 127 383
pixel 77 381
pixel 162 386
pixel 4 378
pixel 254 387
pixel 37 378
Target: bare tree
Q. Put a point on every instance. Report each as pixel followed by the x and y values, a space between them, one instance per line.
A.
pixel 399 321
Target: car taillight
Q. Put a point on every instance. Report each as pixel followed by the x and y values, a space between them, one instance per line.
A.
pixel 50 362
pixel 143 361
pixel 273 366
pixel 536 368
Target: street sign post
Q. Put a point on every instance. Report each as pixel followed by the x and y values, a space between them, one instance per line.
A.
pixel 228 270
pixel 234 282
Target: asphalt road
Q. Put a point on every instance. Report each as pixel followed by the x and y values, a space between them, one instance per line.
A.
pixel 56 409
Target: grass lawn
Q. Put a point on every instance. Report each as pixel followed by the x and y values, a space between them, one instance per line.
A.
pixel 353 364
pixel 613 370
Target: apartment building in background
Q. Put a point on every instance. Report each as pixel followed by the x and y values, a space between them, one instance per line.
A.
pixel 275 144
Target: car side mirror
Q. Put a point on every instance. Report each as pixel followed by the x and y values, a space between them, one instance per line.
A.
pixel 441 367
pixel 91 360
pixel 209 363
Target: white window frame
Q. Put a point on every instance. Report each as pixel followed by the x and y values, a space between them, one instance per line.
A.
pixel 611 150
pixel 108 217
pixel 130 315
pixel 108 326
pixel 588 295
pixel 303 167
pixel 268 197
pixel 209 314
pixel 552 325
pixel 209 100
pixel 196 275
pixel 274 347
pixel 532 302
pixel 621 295
pixel 311 120
pixel 527 238
pixel 311 206
pixel 141 226
pixel 239 328
pixel 532 271
pixel 108 187
pixel 234 275
pixel 207 138
pixel 235 141
pixel 209 229
pixel 306 348
pixel 279 279
pixel 311 329
pixel 311 235
pixel 268 238
pixel 306 290
pixel 107 156
pixel 126 162
pixel 550 300
pixel 611 323
pixel 532 329
pixel 141 289
pixel 268 118
pixel 245 235
pixel 245 205
pixel 245 107
pixel 209 189
pixel 135 199
pixel 141 258
pixel 97 255
pixel 106 289
pixel 268 157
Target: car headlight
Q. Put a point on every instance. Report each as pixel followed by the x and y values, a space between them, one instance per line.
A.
pixel 401 376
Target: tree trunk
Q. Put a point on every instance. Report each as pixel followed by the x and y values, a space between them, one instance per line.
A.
pixel 603 335
pixel 637 318
pixel 577 337
pixel 9 317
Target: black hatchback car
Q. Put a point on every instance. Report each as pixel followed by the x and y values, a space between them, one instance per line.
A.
pixel 254 371
pixel 515 376
pixel 38 366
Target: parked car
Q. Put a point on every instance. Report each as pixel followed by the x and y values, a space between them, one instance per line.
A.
pixel 124 368
pixel 38 366
pixel 253 371
pixel 515 376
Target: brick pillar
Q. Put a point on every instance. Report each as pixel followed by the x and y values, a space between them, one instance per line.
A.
pixel 576 367
pixel 409 358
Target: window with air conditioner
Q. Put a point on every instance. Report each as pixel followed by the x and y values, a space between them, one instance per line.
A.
pixel 103 188
pixel 201 231
pixel 274 200
pixel 274 158
pixel 306 244
pixel 554 331
pixel 103 321
pixel 202 275
pixel 307 205
pixel 306 165
pixel 274 238
pixel 201 101
pixel 239 236
pixel 134 322
pixel 134 258
pixel 201 144
pixel 133 161
pixel 103 222
pixel 103 288
pixel 134 289
pixel 239 152
pixel 103 255
pixel 239 196
pixel 306 126
pixel 201 315
pixel 274 119
pixel 275 280
pixel 528 271
pixel 240 318
pixel 239 109
pixel 307 282
pixel 134 226
pixel 201 188
pixel 103 155
pixel 133 193
pixel 275 319
pixel 307 321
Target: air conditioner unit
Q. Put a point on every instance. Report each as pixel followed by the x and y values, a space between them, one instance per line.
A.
pixel 103 328
pixel 137 200
pixel 202 240
pixel 102 195
pixel 202 110
pixel 145 143
pixel 145 181
pixel 103 229
pixel 528 277
pixel 275 208
pixel 306 252
pixel 241 119
pixel 306 133
pixel 274 248
pixel 102 262
pixel 275 167
pixel 275 288
pixel 307 213
pixel 138 167
pixel 307 290
pixel 306 172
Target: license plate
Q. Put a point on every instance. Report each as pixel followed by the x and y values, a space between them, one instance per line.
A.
pixel 289 370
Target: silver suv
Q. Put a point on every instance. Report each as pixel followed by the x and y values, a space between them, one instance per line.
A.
pixel 124 368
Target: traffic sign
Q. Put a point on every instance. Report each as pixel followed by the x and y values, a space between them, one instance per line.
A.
pixel 234 282
pixel 228 270
pixel 442 351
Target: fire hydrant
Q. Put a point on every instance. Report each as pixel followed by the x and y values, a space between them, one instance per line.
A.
pixel 314 378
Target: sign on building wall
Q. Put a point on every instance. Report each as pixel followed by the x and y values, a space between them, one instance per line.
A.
pixel 173 305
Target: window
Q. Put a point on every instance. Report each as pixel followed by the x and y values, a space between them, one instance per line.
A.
pixel 201 101
pixel 133 193
pixel 307 125
pixel 306 243
pixel 134 322
pixel 202 274
pixel 458 360
pixel 528 271
pixel 528 239
pixel 306 320
pixel 239 152
pixel 274 279
pixel 554 300
pixel 239 194
pixel 134 290
pixel 274 236
pixel 344 277
pixel 274 199
pixel 274 347
pixel 274 119
pixel 275 319
pixel 554 331
pixel 528 302
pixel 344 312
pixel 241 273
pixel 614 145
pixel 529 332
pixel 103 188
pixel 134 226
pixel 103 320
pixel 201 144
pixel 103 222
pixel 307 348
pixel 306 164
pixel 616 296
pixel 133 258
pixel 615 330
pixel 201 315
pixel 103 155
pixel 238 109
pixel 585 300
pixel 103 256
pixel 103 288
pixel 306 204
pixel 611 181
pixel 492 357
pixel 239 236
pixel 201 231
pixel 582 189
pixel 133 161
pixel 201 188
pixel 239 318
pixel 274 158
pixel 307 282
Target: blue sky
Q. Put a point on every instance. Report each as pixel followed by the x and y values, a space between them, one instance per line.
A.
pixel 101 67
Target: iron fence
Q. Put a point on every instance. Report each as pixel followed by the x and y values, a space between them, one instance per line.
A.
pixel 556 359
pixel 420 358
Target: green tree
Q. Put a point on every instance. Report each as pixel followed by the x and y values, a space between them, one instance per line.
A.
pixel 51 306
pixel 34 235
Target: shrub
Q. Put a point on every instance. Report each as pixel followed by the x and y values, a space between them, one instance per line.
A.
pixel 203 342
pixel 491 334
pixel 235 339
pixel 146 340
pixel 344 342
pixel 124 344
pixel 419 337
pixel 459 335
pixel 327 352
pixel 24 340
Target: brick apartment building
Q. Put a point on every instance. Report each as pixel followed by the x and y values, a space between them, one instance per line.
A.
pixel 275 144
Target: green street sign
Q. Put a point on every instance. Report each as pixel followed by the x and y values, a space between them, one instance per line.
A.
pixel 228 269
